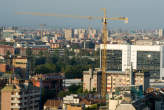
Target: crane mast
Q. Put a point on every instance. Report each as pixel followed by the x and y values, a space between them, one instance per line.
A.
pixel 104 39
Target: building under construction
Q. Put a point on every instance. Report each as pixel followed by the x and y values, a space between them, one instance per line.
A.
pixel 49 82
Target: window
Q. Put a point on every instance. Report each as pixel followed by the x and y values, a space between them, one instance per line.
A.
pixel 114 60
pixel 149 61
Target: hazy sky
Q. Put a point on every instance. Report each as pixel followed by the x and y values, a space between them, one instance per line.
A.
pixel 141 13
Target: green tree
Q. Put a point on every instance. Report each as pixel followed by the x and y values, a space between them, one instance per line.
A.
pixel 45 68
pixel 40 60
pixel 62 94
pixel 75 89
pixel 40 53
pixel 28 52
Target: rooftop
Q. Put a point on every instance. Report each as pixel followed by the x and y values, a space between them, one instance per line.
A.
pixel 10 87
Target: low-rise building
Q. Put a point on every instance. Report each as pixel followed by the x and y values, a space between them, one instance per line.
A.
pixel 21 51
pixel 3 67
pixel 20 62
pixel 71 102
pixel 39 51
pixel 74 107
pixel 54 45
pixel 71 99
pixel 69 82
pixel 52 105
pixel 6 50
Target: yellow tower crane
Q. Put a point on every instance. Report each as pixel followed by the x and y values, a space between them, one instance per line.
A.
pixel 104 33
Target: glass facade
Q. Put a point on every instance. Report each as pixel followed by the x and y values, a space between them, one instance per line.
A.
pixel 114 60
pixel 149 61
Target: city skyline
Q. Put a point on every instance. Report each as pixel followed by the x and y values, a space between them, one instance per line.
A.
pixel 145 14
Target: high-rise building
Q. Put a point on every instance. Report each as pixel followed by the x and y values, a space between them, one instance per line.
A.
pixel 92 80
pixel 68 34
pixel 149 58
pixel 160 33
pixel 115 79
pixel 20 96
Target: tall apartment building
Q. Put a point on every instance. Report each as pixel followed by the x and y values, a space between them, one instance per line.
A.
pixel 160 33
pixel 92 80
pixel 20 96
pixel 68 34
pixel 147 57
pixel 115 79
pixel 125 79
pixel 80 33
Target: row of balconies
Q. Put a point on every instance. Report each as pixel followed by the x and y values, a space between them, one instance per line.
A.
pixel 32 106
pixel 15 100
pixel 23 104
pixel 25 95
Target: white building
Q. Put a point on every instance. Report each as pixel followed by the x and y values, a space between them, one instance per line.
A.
pixel 160 32
pixel 71 99
pixel 69 82
pixel 150 58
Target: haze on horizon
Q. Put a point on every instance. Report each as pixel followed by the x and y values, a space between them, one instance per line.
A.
pixel 145 14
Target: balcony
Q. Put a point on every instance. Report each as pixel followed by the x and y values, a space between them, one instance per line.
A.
pixel 15 106
pixel 16 96
pixel 15 101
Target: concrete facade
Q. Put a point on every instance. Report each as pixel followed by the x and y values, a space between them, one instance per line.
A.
pixel 114 80
pixel 91 80
pixel 121 79
pixel 20 96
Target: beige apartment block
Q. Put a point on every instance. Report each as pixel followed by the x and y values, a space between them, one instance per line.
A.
pixel 20 96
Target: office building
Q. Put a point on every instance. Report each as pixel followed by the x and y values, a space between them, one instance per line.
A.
pixel 148 58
